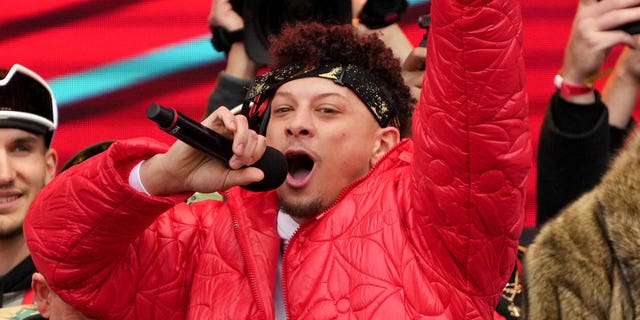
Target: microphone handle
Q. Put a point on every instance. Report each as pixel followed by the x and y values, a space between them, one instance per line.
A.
pixel 191 132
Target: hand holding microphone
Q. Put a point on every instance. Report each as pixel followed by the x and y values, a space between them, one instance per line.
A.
pixel 273 163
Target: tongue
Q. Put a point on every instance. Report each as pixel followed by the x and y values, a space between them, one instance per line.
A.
pixel 300 174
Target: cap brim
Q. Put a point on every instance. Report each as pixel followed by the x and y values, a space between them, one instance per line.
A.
pixel 24 125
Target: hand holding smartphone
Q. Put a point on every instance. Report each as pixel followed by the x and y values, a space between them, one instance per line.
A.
pixel 630 28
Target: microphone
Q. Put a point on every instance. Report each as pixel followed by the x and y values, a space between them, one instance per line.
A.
pixel 273 163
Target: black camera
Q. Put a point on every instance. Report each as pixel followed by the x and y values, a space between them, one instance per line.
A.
pixel 263 18
pixel 424 22
pixel 631 28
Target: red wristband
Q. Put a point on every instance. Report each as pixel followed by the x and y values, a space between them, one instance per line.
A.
pixel 567 89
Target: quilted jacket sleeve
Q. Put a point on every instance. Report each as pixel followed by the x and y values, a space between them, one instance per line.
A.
pixel 472 144
pixel 108 250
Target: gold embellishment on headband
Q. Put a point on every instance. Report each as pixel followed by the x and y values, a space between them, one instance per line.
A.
pixel 380 109
pixel 260 87
pixel 333 73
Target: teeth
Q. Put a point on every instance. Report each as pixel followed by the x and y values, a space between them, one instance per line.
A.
pixel 8 199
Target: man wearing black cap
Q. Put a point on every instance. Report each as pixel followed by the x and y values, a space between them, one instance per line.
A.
pixel 28 119
pixel 367 225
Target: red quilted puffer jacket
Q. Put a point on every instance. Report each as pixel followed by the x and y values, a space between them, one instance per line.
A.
pixel 430 232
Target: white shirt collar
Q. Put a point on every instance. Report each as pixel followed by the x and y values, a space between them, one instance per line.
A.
pixel 286 226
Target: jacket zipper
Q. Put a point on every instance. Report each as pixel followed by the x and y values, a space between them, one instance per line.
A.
pixel 248 262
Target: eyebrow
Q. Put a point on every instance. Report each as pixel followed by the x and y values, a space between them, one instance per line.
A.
pixel 321 95
pixel 26 139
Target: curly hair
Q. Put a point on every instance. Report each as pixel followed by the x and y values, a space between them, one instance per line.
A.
pixel 314 44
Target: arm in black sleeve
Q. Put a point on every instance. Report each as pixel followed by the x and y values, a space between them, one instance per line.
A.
pixel 619 136
pixel 573 153
pixel 229 92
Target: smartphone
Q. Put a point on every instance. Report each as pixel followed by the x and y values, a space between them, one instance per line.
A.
pixel 631 28
pixel 424 22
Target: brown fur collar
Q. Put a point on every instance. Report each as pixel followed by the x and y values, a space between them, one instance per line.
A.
pixel 619 196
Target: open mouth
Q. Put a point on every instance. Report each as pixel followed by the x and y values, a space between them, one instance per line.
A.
pixel 300 168
pixel 300 165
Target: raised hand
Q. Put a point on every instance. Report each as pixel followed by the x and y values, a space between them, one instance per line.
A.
pixel 223 15
pixel 620 93
pixel 593 36
pixel 413 70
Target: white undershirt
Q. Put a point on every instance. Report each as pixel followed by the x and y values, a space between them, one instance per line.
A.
pixel 286 228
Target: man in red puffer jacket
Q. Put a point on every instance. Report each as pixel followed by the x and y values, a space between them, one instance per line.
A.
pixel 366 225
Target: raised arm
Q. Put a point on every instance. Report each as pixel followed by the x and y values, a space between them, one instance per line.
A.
pixel 619 92
pixel 472 143
pixel 240 70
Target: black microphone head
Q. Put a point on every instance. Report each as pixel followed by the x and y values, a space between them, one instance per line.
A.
pixel 163 116
pixel 274 165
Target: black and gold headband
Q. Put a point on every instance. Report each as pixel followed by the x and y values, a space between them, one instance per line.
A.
pixel 374 95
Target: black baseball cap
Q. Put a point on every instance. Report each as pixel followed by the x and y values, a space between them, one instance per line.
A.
pixel 27 102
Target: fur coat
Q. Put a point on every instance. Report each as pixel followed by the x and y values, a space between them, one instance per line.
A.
pixel 585 264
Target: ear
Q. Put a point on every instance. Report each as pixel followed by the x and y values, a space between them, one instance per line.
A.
pixel 387 138
pixel 51 164
pixel 42 294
